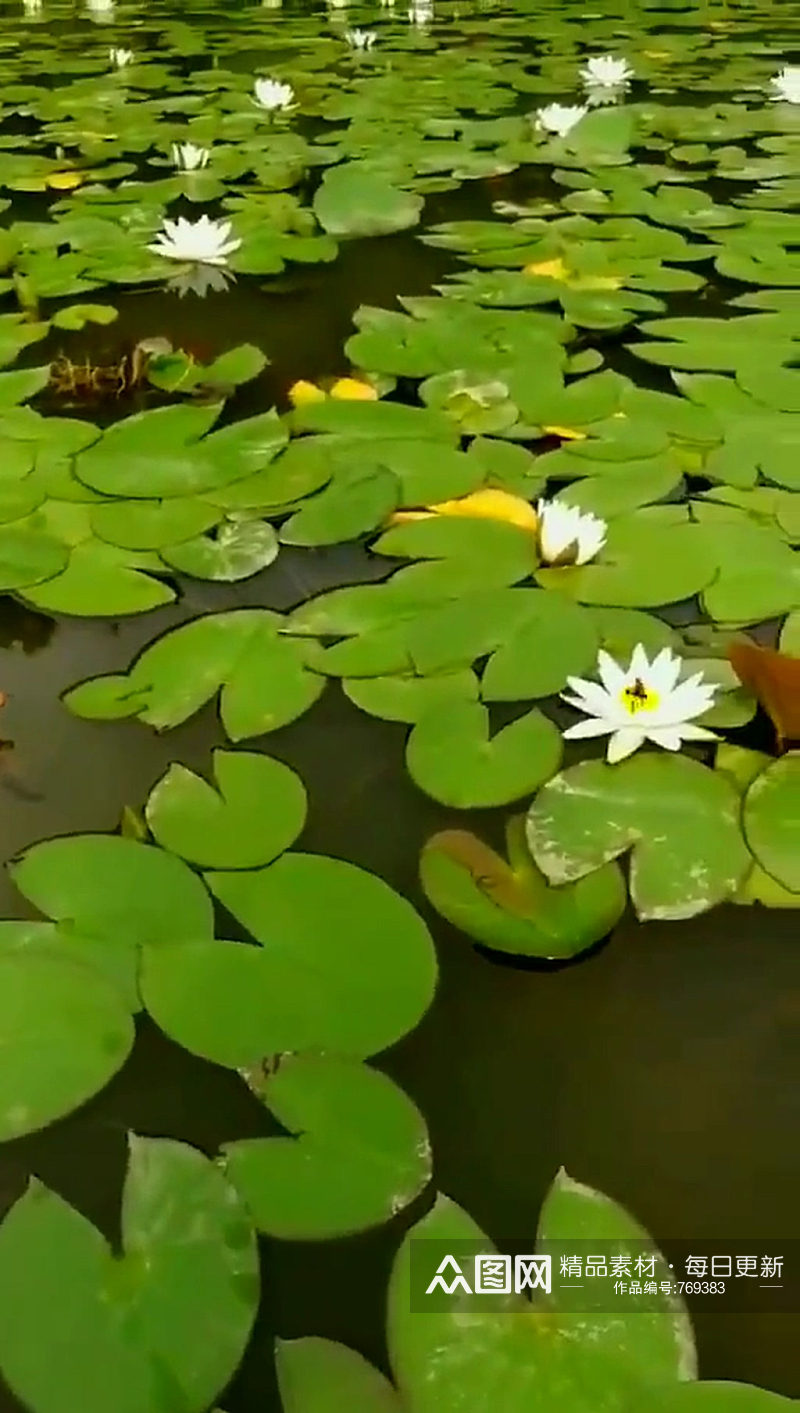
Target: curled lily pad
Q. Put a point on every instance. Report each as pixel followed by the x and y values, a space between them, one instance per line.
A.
pixel 508 905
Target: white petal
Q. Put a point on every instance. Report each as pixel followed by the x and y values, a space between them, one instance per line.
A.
pixel 611 674
pixel 667 736
pixel 690 732
pixel 664 671
pixel 640 665
pixel 592 698
pixel 623 744
pixel 584 729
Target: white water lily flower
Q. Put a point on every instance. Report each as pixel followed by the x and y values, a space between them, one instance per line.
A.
pixel 644 701
pixel 558 119
pixel 787 85
pixel 202 242
pixel 360 38
pixel 420 12
pixel 568 535
pixel 271 94
pixel 606 72
pixel 188 157
pixel 120 58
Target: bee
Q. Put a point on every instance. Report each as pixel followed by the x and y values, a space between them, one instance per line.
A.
pixel 638 691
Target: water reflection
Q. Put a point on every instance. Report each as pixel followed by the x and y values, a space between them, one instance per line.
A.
pixel 24 627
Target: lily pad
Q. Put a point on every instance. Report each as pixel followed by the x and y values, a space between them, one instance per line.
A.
pixel 316 981
pixel 771 817
pixel 238 549
pixel 106 886
pixel 257 811
pixel 66 1031
pixel 319 1376
pixel 177 1304
pixel 354 201
pixel 451 756
pixel 508 905
pixel 358 1153
pixel 262 677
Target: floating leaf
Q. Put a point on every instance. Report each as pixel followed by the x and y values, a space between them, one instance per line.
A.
pixel 238 549
pixel 174 1310
pixel 257 811
pixel 771 817
pixel 352 200
pixel 460 1357
pixel 406 698
pixel 451 757
pixel 680 819
pixel 774 679
pixel 508 905
pixel 318 979
pixel 67 1029
pixel 263 677
pixel 106 886
pixel 319 1376
pixel 358 1155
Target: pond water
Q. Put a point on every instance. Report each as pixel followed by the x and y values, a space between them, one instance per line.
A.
pixel 658 1064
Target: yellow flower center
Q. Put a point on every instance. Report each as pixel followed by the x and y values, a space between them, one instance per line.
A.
pixel 637 697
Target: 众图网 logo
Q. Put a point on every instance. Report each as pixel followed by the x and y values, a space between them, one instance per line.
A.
pixel 493 1275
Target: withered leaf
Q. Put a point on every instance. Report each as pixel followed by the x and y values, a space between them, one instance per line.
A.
pixel 774 679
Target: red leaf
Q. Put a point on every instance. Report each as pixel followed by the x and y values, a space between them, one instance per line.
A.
pixel 774 678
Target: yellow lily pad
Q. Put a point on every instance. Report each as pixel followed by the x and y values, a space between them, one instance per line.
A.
pixel 488 504
pixel 354 390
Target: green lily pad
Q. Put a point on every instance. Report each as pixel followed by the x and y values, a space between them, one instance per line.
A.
pixel 106 886
pixel 358 1153
pixel 237 550
pixel 28 557
pixel 353 503
pixel 152 525
pixel 98 579
pixel 257 811
pixel 459 1357
pixel 319 1376
pixel 177 1304
pixel 354 201
pixel 317 981
pixel 407 698
pixel 509 905
pixel 771 817
pixel 451 756
pixel 263 678
pixel 66 1031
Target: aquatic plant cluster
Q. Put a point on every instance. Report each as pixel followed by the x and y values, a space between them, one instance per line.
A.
pixel 586 500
